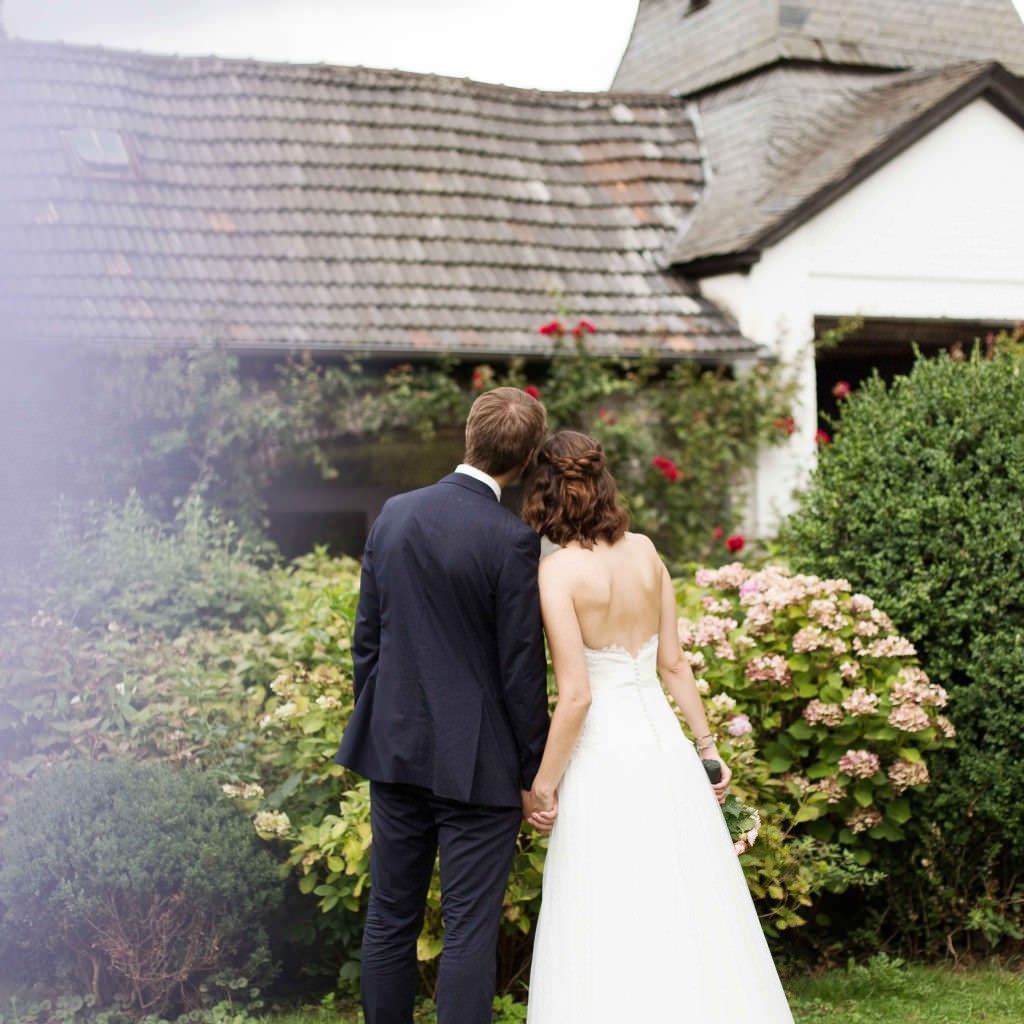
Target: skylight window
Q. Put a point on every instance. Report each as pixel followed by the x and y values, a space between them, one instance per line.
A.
pixel 100 150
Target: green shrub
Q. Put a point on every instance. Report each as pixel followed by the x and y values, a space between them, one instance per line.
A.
pixel 919 502
pixel 138 883
pixel 119 563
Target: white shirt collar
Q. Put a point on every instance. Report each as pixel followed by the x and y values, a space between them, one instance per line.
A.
pixel 479 474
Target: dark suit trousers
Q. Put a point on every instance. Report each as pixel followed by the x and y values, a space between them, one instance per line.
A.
pixel 477 845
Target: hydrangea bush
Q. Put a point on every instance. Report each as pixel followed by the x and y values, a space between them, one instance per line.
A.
pixel 814 681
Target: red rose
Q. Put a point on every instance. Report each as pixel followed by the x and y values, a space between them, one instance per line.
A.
pixel 606 415
pixel 716 533
pixel 666 467
pixel 532 390
pixel 735 542
pixel 554 327
pixel 478 379
pixel 585 325
pixel 786 423
pixel 841 388
pixel 821 436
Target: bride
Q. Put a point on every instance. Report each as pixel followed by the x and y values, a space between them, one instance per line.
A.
pixel 645 913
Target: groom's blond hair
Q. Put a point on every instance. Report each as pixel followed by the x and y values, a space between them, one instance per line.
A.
pixel 504 428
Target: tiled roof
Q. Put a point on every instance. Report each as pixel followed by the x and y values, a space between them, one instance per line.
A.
pixel 280 206
pixel 783 144
pixel 672 50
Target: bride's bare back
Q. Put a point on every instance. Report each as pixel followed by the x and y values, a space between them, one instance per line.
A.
pixel 615 589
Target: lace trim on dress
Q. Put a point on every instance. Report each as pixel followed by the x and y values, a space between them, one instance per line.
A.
pixel 609 648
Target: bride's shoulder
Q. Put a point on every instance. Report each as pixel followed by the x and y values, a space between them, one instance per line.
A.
pixel 640 541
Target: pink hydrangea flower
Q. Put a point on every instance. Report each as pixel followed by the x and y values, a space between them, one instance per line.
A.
pixel 909 718
pixel 903 774
pixel 768 668
pixel 861 702
pixel 863 818
pixel 739 725
pixel 859 764
pixel 818 712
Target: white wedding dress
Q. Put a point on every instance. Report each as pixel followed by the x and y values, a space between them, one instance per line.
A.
pixel 646 917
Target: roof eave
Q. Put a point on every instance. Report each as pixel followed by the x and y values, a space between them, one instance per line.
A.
pixel 994 82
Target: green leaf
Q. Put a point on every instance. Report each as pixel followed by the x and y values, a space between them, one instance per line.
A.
pixel 898 811
pixel 809 812
pixel 864 793
pixel 801 730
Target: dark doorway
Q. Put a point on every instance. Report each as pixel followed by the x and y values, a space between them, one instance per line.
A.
pixel 885 345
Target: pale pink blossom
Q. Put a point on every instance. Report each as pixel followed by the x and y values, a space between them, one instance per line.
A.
pixel 833 788
pixel 715 605
pixel 849 670
pixel 818 712
pixel 863 818
pixel 768 668
pixel 696 660
pixel 903 774
pixel 825 611
pixel 861 702
pixel 890 647
pixel 945 726
pixel 861 604
pixel 810 638
pixel 758 619
pixel 859 764
pixel 909 718
pixel 739 725
pixel 877 615
pixel 713 629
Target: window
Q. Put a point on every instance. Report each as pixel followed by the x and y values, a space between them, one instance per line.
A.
pixel 100 151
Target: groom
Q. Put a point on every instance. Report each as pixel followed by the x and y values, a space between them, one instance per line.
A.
pixel 451 712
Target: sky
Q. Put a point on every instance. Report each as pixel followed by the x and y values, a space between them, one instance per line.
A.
pixel 543 44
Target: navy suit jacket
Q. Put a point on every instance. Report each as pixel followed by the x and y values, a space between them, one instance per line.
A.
pixel 449 670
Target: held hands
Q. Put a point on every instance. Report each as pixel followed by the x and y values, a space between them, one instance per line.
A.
pixel 540 808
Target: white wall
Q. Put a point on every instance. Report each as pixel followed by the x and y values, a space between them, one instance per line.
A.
pixel 937 232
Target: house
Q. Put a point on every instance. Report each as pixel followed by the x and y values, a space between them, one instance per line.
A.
pixel 757 171
pixel 862 159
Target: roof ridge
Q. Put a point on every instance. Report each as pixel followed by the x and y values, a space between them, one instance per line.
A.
pixel 188 64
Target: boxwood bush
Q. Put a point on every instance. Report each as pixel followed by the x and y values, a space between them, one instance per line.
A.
pixel 138 883
pixel 920 502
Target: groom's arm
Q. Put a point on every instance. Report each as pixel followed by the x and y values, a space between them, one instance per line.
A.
pixel 366 635
pixel 521 652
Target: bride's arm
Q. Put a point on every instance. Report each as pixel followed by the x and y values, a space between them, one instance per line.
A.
pixel 566 645
pixel 677 675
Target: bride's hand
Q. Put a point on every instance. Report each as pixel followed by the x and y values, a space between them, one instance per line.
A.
pixel 721 787
pixel 540 809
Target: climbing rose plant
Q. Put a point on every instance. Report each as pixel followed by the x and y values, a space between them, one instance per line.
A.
pixel 817 683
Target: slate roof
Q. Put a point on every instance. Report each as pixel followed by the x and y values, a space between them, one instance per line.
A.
pixel 786 143
pixel 280 206
pixel 672 50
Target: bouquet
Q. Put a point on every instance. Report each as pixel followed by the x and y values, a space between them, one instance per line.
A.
pixel 743 821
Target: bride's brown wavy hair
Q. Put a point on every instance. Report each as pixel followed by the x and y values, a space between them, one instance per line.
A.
pixel 570 495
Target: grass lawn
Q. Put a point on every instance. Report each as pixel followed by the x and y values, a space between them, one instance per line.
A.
pixel 882 992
